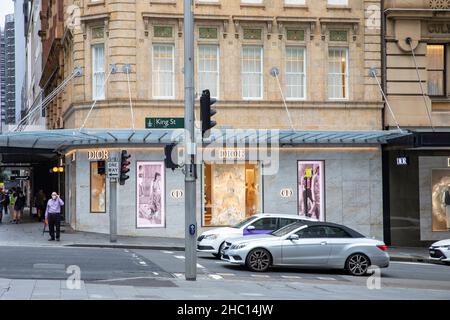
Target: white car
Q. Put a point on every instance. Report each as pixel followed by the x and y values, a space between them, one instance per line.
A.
pixel 213 241
pixel 440 251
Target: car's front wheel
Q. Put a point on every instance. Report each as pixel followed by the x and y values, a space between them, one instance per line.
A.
pixel 358 264
pixel 219 254
pixel 259 260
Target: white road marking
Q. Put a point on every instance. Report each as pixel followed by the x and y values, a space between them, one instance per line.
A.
pixel 252 294
pixel 414 263
pixel 326 278
pixel 178 275
pixel 291 277
pixel 180 257
pixel 155 273
pixel 221 262
pixel 259 276
pixel 215 276
pixel 226 274
pixel 143 263
pixel 200 266
pixel 169 252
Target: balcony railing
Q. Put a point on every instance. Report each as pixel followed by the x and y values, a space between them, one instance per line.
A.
pixel 417 4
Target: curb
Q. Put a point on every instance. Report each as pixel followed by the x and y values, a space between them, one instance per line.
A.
pixel 125 246
pixel 413 259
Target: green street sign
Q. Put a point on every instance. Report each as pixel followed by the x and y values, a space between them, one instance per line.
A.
pixel 164 123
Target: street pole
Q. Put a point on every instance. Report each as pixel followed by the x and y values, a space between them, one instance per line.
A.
pixel 113 207
pixel 190 149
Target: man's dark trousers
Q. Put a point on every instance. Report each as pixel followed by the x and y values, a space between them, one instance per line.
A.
pixel 54 220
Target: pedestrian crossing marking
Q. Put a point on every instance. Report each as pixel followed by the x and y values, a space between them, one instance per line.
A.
pixel 215 276
pixel 200 266
pixel 291 277
pixel 260 276
pixel 180 257
pixel 326 278
pixel 169 252
pixel 178 275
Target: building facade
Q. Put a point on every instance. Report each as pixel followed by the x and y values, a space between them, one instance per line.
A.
pixel 416 62
pixel 251 55
pixel 20 19
pixel 2 80
pixel 10 73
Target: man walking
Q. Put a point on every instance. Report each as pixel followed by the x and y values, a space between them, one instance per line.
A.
pixel 53 216
pixel 2 204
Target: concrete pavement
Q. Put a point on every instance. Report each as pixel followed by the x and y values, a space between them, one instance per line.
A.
pixel 30 234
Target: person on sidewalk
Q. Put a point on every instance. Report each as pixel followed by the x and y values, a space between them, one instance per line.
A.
pixel 19 206
pixel 53 216
pixel 12 202
pixel 5 204
pixel 2 204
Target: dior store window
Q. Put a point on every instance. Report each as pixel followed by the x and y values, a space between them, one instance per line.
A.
pixel 232 193
pixel 440 199
pixel 98 187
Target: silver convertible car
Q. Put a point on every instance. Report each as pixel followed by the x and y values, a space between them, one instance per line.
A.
pixel 308 244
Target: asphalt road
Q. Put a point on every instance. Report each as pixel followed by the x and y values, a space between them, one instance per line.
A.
pixel 129 265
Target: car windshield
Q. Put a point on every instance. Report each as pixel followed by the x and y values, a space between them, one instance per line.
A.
pixel 244 222
pixel 287 229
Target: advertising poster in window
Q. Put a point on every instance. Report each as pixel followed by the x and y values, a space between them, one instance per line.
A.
pixel 150 195
pixel 311 190
pixel 440 179
pixel 98 187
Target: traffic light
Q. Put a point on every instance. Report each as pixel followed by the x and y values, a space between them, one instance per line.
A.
pixel 124 167
pixel 168 160
pixel 206 111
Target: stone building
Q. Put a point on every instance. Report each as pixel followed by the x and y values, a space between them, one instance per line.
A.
pixel 417 34
pixel 250 54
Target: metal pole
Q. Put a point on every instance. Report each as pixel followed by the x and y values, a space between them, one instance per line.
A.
pixel 113 208
pixel 189 116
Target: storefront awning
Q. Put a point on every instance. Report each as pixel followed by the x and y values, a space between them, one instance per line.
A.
pixel 58 140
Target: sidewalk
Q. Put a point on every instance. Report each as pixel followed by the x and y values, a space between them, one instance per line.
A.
pixel 30 234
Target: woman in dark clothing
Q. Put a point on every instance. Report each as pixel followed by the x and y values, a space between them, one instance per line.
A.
pixel 19 206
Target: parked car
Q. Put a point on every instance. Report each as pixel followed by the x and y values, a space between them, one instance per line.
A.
pixel 308 244
pixel 440 251
pixel 212 241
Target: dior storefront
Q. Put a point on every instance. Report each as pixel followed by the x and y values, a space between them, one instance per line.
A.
pixel 330 183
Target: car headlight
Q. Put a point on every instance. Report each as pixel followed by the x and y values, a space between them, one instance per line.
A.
pixel 210 237
pixel 238 246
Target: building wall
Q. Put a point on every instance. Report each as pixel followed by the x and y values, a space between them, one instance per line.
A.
pixel 129 36
pixel 417 20
pixel 353 191
pixel 20 59
pixel 10 66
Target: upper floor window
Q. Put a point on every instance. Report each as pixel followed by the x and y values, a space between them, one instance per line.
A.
pixel 338 73
pixel 294 2
pixel 252 76
pixel 208 69
pixel 295 73
pixel 163 71
pixel 98 71
pixel 252 1
pixel 338 2
pixel 436 69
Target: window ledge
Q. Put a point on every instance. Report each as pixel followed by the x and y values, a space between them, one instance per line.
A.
pixel 253 5
pixel 208 4
pixel 172 2
pixel 94 4
pixel 296 6
pixel 337 7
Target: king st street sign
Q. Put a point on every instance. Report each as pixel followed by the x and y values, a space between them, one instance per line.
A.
pixel 164 123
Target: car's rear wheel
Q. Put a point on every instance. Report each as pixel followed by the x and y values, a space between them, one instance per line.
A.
pixel 258 260
pixel 219 254
pixel 358 264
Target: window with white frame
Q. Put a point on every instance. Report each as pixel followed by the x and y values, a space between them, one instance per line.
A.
pixel 252 76
pixel 294 2
pixel 251 1
pixel 338 2
pixel 208 69
pixel 338 73
pixel 295 73
pixel 163 71
pixel 98 71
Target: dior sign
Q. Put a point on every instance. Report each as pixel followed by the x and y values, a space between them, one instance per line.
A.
pixel 98 155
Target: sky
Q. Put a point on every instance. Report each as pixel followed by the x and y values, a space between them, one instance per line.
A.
pixel 6 7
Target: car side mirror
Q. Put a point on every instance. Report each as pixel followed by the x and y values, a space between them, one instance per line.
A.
pixel 293 237
pixel 250 228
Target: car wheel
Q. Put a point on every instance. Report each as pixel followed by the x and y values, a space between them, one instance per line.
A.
pixel 219 255
pixel 357 264
pixel 259 260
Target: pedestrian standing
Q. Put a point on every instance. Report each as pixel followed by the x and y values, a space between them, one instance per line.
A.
pixel 53 216
pixel 12 202
pixel 2 204
pixel 19 206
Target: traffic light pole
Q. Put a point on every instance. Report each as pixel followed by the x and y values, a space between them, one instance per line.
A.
pixel 190 150
pixel 113 206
